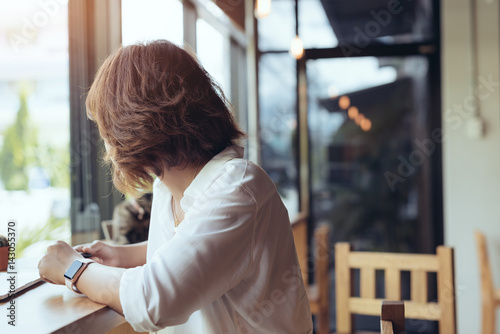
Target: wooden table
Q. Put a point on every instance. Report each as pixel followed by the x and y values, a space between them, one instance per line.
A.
pixel 49 308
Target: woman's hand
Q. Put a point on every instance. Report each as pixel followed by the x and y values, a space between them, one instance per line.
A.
pixel 57 260
pixel 101 252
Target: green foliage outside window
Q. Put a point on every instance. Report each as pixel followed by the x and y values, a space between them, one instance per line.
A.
pixel 18 150
pixel 22 150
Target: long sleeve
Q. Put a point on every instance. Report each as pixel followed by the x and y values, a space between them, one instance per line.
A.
pixel 207 257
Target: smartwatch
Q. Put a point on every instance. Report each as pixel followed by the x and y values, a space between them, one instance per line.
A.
pixel 74 271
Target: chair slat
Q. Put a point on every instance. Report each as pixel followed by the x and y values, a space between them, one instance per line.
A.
pixel 392 284
pixel 367 282
pixel 419 286
pixel 427 262
pixel 343 287
pixel 299 230
pixel 428 311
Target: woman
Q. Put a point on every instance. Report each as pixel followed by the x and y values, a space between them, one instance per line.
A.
pixel 220 256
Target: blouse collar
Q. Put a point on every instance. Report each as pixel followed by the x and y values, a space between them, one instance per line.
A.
pixel 204 177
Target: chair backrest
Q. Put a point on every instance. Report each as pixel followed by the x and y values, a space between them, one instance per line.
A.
pixel 321 262
pixel 392 317
pixel 321 256
pixel 392 264
pixel 299 229
pixel 487 287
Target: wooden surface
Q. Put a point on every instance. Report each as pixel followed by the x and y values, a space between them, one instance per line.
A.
pixel 386 327
pixel 397 261
pixel 419 286
pixel 419 265
pixel 413 310
pixel 343 287
pixel 393 284
pixel 299 229
pixel 320 304
pixel 393 313
pixel 367 288
pixel 50 308
pixel 490 297
pixel 317 292
pixel 446 290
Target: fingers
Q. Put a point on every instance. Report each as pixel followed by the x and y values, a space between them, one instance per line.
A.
pixel 94 247
pixel 79 248
pixel 89 248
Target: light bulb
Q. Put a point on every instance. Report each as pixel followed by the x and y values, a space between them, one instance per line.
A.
pixel 297 48
pixel 344 102
pixel 359 119
pixel 366 124
pixel 352 112
pixel 262 8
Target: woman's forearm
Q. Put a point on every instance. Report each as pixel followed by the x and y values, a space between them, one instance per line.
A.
pixel 102 284
pixel 131 256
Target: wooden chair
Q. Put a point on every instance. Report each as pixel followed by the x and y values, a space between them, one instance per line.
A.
pixel 392 317
pixel 419 265
pixel 107 229
pixel 490 297
pixel 299 229
pixel 318 292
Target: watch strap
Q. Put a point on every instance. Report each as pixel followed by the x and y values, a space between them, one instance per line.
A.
pixel 71 283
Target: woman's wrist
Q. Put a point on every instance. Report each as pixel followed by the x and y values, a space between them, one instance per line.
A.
pixel 130 256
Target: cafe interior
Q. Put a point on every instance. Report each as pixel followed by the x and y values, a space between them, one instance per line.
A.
pixel 377 120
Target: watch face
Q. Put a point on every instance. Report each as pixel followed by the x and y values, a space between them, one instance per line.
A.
pixel 73 269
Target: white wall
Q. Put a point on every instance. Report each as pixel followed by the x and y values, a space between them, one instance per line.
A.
pixel 471 172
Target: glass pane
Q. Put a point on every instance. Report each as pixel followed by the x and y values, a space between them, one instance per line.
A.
pixel 371 156
pixel 213 53
pixel 278 124
pixel 328 23
pixel 314 28
pixel 365 115
pixel 34 124
pixel 379 21
pixel 277 30
pixel 148 20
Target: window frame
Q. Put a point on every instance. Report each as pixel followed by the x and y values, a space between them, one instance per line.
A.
pixel 94 32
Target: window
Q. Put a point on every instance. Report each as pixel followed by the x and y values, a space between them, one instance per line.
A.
pixel 367 124
pixel 278 125
pixel 34 124
pixel 95 32
pixel 212 49
pixel 148 20
pixel 369 87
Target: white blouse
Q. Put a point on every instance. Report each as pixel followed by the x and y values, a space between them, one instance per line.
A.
pixel 231 266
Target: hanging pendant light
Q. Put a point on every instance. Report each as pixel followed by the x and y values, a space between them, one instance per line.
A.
pixel 352 112
pixel 366 124
pixel 297 48
pixel 262 8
